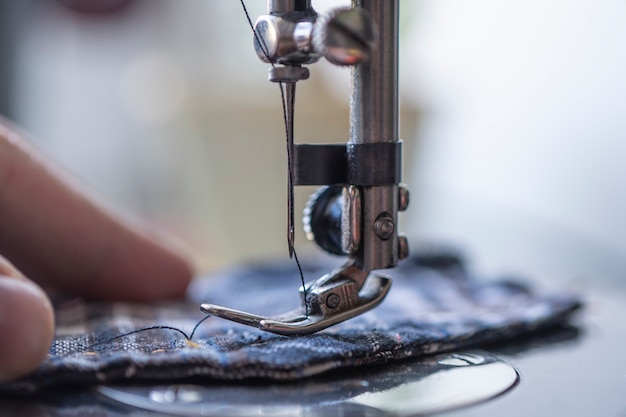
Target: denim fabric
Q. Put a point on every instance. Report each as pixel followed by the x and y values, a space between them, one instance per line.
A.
pixel 433 306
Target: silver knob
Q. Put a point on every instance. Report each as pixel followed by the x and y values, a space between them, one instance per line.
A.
pixel 285 38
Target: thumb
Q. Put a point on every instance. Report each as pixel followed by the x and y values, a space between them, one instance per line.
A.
pixel 26 323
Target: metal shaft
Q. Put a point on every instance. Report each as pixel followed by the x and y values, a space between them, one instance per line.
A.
pixel 375 83
pixel 374 118
pixel 290 99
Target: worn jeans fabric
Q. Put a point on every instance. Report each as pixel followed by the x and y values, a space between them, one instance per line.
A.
pixel 433 306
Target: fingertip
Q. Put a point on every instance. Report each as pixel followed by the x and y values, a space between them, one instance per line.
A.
pixel 27 323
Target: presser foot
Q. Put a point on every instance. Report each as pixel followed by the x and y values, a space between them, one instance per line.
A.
pixel 331 299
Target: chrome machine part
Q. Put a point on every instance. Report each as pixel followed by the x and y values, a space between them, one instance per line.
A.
pixel 329 300
pixel 374 120
pixel 345 36
pixel 356 214
pixel 413 387
pixel 373 154
pixel 285 33
pixel 299 36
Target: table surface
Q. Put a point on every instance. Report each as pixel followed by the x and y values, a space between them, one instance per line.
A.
pixel 582 376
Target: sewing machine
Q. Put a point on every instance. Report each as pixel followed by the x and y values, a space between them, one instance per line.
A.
pixel 573 372
pixel 355 213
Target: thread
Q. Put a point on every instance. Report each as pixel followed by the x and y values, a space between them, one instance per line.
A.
pixel 304 292
pixel 188 338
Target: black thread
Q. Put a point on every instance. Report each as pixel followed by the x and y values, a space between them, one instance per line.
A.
pixel 283 100
pixel 145 329
pixel 197 325
pixel 304 288
pixel 259 40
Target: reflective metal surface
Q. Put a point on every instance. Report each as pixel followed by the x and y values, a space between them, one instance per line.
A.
pixel 331 299
pixel 374 119
pixel 433 384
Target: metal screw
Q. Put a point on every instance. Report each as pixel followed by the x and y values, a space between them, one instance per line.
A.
pixel 403 197
pixel 384 226
pixel 403 247
pixel 333 300
pixel 345 36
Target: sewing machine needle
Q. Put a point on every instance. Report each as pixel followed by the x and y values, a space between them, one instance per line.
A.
pixel 290 95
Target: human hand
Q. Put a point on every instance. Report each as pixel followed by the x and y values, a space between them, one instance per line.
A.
pixel 58 235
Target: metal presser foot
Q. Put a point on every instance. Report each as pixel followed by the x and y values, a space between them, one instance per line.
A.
pixel 355 213
pixel 333 298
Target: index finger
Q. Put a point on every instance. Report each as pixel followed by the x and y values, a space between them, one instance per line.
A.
pixel 57 232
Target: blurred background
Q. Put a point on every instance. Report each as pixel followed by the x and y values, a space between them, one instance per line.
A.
pixel 513 116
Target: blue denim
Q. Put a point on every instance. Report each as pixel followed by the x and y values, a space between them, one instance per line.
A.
pixel 434 305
